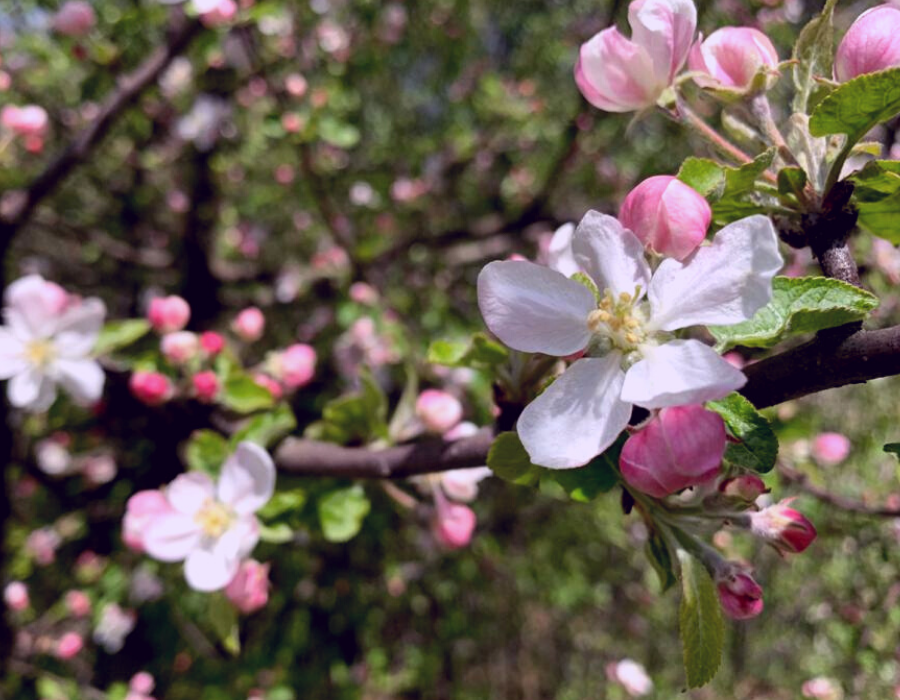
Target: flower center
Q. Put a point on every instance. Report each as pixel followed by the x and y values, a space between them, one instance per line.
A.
pixel 619 320
pixel 213 518
pixel 40 353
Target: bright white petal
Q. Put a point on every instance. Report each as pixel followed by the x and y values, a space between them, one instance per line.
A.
pixel 171 536
pixel 578 416
pixel 247 480
pixel 208 569
pixel 533 308
pixel 242 537
pixel 11 360
pixel 723 283
pixel 678 373
pixel 83 379
pixel 462 484
pixel 31 390
pixel 188 492
pixel 28 311
pixel 610 254
pixel 559 254
pixel 79 327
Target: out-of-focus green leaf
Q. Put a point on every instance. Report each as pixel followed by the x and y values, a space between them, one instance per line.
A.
pixel 116 335
pixel 206 451
pixel 509 460
pixel 480 353
pixel 267 428
pixel 341 513
pixel 243 395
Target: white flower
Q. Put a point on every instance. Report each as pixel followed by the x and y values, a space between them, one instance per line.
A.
pixel 462 484
pixel 46 342
pixel 559 253
pixel 212 526
pixel 630 358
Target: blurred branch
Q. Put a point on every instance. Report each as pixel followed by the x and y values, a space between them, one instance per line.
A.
pixel 801 480
pixel 130 87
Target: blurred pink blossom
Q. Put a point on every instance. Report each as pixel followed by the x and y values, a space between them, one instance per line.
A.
pixel 363 293
pixel 68 645
pixel 632 676
pixel 821 688
pixel 75 18
pixel 15 595
pixel 180 347
pixel 151 388
pixel 249 324
pixel 295 366
pixel 41 545
pixel 168 314
pixel 453 523
pixel 142 508
pixel 438 410
pixel 78 603
pixel 267 382
pixel 830 448
pixel 211 343
pixel 30 120
pixel 249 589
pixel 206 386
pixel 142 682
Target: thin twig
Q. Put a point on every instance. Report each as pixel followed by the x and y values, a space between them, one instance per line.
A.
pixel 801 481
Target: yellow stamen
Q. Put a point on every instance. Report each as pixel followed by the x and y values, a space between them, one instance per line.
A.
pixel 213 518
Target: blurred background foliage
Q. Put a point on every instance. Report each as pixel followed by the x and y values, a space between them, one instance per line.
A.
pixel 311 145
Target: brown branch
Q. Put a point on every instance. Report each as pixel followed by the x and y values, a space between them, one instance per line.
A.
pixel 130 87
pixel 850 505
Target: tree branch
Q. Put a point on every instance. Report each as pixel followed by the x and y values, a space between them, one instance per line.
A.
pixel 850 505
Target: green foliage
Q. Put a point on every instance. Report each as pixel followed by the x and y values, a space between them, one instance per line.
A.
pixel 813 56
pixel 758 446
pixel 117 335
pixel 206 451
pixel 341 513
pixel 798 305
pixel 480 353
pixel 223 620
pixel 660 557
pixel 283 503
pixel 243 395
pixel 731 192
pixel 858 105
pixel 704 175
pixel 267 428
pixel 702 627
pixel 360 416
pixel 791 181
pixel 893 448
pixel 877 196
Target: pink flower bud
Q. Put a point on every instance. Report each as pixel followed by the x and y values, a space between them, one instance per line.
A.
pixel 75 18
pixel 453 524
pixel 30 120
pixel 821 688
pixel 363 293
pixel 249 324
pixel 735 359
pixel 668 217
pixel 631 676
pixel 141 682
pixel 266 382
pixel 249 589
pixel 747 487
pixel 206 386
pixel 438 410
pixel 616 74
pixel 739 594
pixel 731 57
pixel 168 314
pixel 142 508
pixel 78 603
pixel 786 529
pixel 871 44
pixel 295 366
pixel 222 12
pixel 682 446
pixel 211 343
pixel 68 646
pixel 180 347
pixel 15 595
pixel 830 448
pixel 151 388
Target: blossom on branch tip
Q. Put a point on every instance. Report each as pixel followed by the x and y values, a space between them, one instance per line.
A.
pixel 739 594
pixel 731 57
pixel 44 344
pixel 616 74
pixel 212 527
pixel 630 356
pixel 871 44
pixel 788 530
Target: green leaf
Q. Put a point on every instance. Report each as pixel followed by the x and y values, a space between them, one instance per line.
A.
pixel 480 353
pixel 243 395
pixel 600 475
pixel 704 175
pixel 881 218
pixel 877 196
pixel 508 459
pixel 337 133
pixel 404 413
pixel 283 502
pixel 206 451
pixel 758 446
pixel 280 533
pixel 267 428
pixel 739 197
pixel 660 558
pixel 223 619
pixel 341 513
pixel 702 627
pixel 813 55
pixel 361 415
pixel 791 181
pixel 116 335
pixel 858 105
pixel 893 448
pixel 56 689
pixel 798 305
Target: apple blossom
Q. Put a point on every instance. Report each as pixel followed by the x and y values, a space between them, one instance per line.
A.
pixel 632 676
pixel 75 18
pixel 739 594
pixel 669 217
pixel 52 456
pixel 559 253
pixel 211 343
pixel 212 527
pixel 680 447
pixel 114 625
pixel 871 44
pixel 206 386
pixel 788 530
pixel 68 646
pixel 616 74
pixel 249 589
pixel 141 682
pixel 630 357
pixel 168 314
pixel 438 410
pixel 830 448
pixel 731 57
pixel 15 595
pixel 249 324
pixel 453 523
pixel 295 366
pixel 462 484
pixel 142 508
pixel 822 688
pixel 215 13
pixel 180 347
pixel 30 120
pixel 747 487
pixel 42 346
pixel 78 603
pixel 151 388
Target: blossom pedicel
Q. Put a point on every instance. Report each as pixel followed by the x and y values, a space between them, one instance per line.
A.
pixel 731 57
pixel 631 358
pixel 871 44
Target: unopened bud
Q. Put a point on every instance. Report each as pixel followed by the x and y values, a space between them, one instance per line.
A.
pixel 211 343
pixel 151 388
pixel 249 324
pixel 68 646
pixel 180 347
pixel 786 529
pixel 249 589
pixel 747 487
pixel 871 44
pixel 453 524
pixel 731 57
pixel 739 594
pixel 206 386
pixel 295 366
pixel 168 314
pixel 438 410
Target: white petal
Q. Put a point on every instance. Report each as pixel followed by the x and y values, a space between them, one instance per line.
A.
pixel 578 416
pixel 188 492
pixel 665 29
pixel 678 373
pixel 610 254
pixel 79 327
pixel 31 390
pixel 559 254
pixel 11 360
pixel 247 480
pixel 533 308
pixel 243 536
pixel 83 379
pixel 462 484
pixel 28 311
pixel 723 283
pixel 171 536
pixel 209 568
